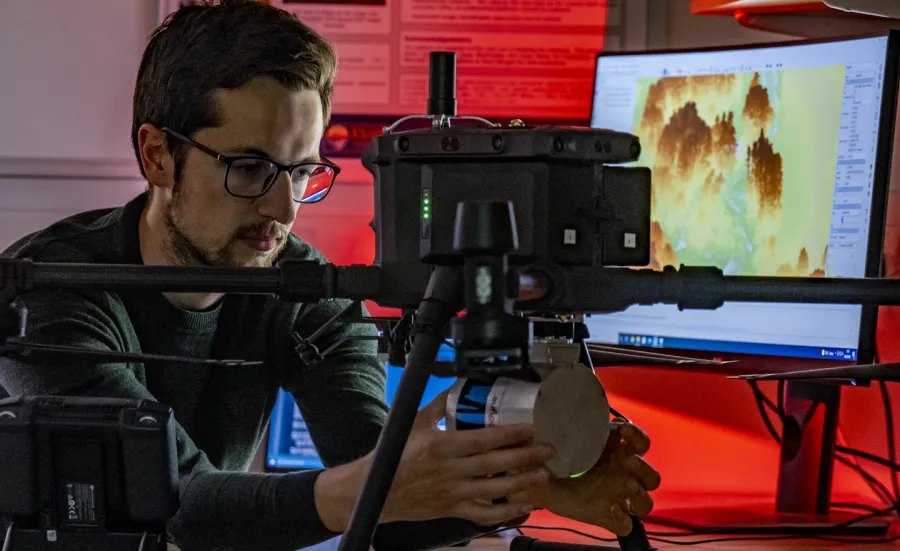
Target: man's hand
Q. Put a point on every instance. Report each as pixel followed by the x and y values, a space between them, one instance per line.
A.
pixel 618 485
pixel 445 474
pixel 449 473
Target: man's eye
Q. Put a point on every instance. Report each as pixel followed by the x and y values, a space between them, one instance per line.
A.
pixel 253 169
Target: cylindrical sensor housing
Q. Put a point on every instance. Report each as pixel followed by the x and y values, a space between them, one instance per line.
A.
pixel 568 408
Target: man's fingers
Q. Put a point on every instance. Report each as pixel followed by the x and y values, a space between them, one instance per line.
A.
pixel 637 438
pixel 501 486
pixel 504 461
pixel 641 504
pixel 488 515
pixel 638 468
pixel 621 522
pixel 433 412
pixel 623 487
pixel 473 442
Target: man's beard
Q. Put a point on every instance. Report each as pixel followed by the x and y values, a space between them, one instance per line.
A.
pixel 187 252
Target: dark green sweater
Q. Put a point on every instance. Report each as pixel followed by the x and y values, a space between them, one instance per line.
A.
pixel 222 412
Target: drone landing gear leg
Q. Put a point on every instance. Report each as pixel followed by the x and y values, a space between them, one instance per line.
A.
pixel 443 299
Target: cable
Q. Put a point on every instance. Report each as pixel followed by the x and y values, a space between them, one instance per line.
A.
pixel 874 514
pixel 869 457
pixel 892 451
pixel 876 485
pixel 761 399
pixel 765 398
pixel 780 398
pixel 775 538
pixel 692 530
pixel 873 482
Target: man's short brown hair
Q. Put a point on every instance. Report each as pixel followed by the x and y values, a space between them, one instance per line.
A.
pixel 223 44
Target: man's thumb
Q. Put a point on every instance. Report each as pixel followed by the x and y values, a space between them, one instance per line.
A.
pixel 429 416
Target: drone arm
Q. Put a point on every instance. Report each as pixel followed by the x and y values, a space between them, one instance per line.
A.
pixel 597 290
pixel 548 288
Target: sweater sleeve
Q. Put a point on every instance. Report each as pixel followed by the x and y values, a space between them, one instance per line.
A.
pixel 217 509
pixel 342 400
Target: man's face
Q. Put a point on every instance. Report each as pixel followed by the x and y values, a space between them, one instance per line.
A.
pixel 206 224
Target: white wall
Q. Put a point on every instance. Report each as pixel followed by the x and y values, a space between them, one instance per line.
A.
pixel 68 75
pixel 68 70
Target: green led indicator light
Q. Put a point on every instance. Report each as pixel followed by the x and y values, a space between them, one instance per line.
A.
pixel 426 216
pixel 427 200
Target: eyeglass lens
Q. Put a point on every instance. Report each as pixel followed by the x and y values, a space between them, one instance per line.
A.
pixel 253 177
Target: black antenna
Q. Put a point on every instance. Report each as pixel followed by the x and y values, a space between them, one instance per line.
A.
pixel 442 84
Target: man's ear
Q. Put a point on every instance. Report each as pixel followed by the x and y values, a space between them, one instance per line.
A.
pixel 157 161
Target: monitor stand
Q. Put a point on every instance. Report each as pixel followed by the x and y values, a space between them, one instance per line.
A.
pixel 804 478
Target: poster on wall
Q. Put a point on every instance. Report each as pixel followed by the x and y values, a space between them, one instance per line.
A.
pixel 529 59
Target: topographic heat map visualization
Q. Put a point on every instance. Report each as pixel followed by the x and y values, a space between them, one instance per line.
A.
pixel 743 168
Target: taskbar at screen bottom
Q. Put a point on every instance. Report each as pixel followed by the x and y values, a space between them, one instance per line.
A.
pixel 736 347
pixel 289 461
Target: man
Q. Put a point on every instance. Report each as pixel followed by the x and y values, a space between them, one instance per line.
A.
pixel 230 105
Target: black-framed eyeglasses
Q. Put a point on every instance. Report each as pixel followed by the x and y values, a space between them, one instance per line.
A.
pixel 251 176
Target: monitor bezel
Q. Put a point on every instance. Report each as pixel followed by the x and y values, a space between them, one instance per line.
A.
pixel 866 352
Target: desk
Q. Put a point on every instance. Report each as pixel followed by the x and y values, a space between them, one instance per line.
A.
pixel 541 518
pixel 497 544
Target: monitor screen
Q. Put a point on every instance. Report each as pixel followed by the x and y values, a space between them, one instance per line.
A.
pixel 290 444
pixel 766 160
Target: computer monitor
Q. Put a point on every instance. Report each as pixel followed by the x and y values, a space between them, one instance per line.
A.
pixel 767 160
pixel 290 446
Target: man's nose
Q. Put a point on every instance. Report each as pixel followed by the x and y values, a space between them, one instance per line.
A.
pixel 278 204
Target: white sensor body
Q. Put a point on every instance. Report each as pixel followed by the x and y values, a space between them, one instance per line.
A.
pixel 568 406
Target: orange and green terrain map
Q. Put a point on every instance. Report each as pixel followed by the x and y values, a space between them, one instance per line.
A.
pixel 743 168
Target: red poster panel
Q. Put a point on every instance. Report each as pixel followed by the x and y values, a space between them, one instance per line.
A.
pixel 763 6
pixel 515 58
